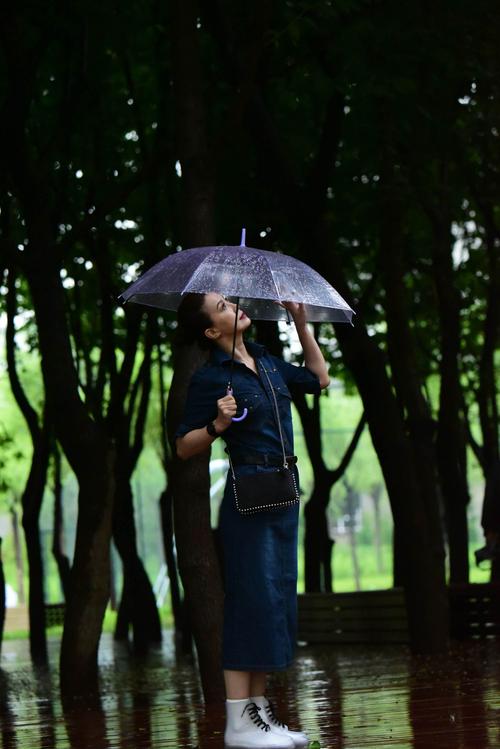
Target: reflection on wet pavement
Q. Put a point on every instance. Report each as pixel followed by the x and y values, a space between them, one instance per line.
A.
pixel 348 697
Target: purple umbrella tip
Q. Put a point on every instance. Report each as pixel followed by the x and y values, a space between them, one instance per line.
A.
pixel 243 237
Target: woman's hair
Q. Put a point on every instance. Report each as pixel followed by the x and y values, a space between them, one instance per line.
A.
pixel 193 321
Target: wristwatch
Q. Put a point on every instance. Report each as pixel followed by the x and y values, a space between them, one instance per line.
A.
pixel 212 430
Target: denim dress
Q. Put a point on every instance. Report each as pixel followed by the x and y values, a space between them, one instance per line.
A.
pixel 259 551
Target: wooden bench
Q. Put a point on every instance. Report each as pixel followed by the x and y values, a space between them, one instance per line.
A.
pixel 475 611
pixel 377 616
pixel 54 614
pixel 17 617
pixel 369 616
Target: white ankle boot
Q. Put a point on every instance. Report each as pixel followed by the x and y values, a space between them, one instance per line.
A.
pixel 277 727
pixel 245 728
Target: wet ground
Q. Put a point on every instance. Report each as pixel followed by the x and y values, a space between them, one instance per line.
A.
pixel 349 697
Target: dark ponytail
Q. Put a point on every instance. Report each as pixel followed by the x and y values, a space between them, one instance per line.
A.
pixel 193 321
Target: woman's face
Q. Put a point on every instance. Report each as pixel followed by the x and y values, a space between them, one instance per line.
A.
pixel 221 313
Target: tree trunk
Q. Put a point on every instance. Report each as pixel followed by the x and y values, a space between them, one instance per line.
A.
pixel 138 604
pixel 423 563
pixel 62 561
pixel 451 442
pixel 425 588
pixel 487 392
pixel 91 456
pixel 18 554
pixel 181 622
pixel 34 489
pixel 86 604
pixel 318 545
pixel 399 558
pixel 182 626
pixel 424 577
pixel 406 372
pixel 196 554
pixel 198 564
pixel 38 642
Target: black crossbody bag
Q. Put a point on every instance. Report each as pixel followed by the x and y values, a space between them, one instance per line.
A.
pixel 269 490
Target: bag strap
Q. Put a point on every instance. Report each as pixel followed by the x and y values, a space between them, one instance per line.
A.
pixel 285 464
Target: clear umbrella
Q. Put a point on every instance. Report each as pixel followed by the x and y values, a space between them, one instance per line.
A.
pixel 256 278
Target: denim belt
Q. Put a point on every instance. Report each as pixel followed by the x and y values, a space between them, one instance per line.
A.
pixel 264 460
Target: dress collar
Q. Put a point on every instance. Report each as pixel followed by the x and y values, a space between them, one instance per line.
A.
pixel 218 356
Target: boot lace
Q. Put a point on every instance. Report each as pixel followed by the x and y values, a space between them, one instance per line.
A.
pixel 272 716
pixel 253 712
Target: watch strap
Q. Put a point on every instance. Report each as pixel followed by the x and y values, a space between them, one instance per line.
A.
pixel 212 430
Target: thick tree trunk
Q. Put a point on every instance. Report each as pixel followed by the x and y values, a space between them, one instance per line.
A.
pixel 196 554
pixel 424 577
pixel 90 454
pixel 86 604
pixel 425 588
pixel 408 382
pixel 198 564
pixel 138 604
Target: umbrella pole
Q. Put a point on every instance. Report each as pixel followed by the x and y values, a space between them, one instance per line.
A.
pixel 230 383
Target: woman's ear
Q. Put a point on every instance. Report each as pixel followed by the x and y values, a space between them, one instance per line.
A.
pixel 212 333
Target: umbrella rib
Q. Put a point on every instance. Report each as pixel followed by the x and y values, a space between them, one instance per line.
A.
pixel 272 276
pixel 196 272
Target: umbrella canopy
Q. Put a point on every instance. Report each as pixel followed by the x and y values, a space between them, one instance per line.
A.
pixel 257 278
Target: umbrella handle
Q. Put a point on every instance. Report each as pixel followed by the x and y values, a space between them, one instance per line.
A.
pixel 229 391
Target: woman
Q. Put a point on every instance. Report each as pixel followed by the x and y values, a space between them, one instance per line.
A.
pixel 260 550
